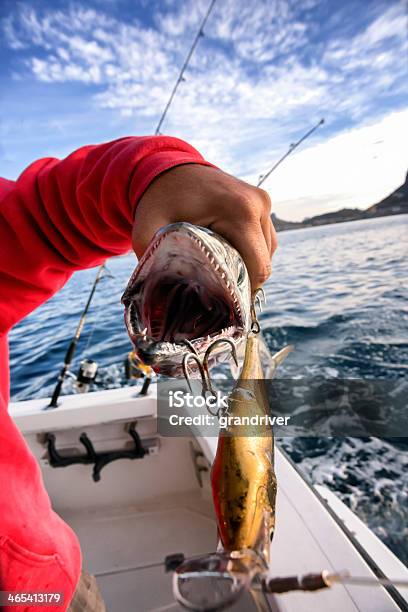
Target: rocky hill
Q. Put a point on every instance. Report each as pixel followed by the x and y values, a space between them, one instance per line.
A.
pixel 394 204
pixel 281 225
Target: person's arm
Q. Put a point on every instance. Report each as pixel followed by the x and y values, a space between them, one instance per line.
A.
pixel 205 196
pixel 61 216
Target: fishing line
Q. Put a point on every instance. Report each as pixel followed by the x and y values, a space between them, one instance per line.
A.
pixel 91 333
pixel 108 275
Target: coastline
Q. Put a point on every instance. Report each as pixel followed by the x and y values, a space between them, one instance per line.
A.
pixel 286 226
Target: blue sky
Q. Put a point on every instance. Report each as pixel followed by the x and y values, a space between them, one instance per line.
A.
pixel 74 73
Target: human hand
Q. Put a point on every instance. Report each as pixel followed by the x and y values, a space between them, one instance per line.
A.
pixel 206 196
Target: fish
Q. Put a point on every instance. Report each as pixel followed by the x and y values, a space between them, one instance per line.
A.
pixel 190 288
pixel 243 479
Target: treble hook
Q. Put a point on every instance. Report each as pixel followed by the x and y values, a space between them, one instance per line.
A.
pixel 203 366
pixel 205 379
pixel 190 346
pixel 211 348
pixel 193 356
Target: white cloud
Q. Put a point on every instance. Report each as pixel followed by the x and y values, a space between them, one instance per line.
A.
pixel 382 43
pixel 249 91
pixel 10 35
pixel 235 78
pixel 181 19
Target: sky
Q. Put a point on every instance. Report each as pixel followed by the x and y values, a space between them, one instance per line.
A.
pixel 263 74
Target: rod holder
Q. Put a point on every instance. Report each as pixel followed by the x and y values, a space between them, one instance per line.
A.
pixel 98 459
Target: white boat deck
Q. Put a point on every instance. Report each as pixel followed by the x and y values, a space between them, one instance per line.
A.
pixel 143 510
pixel 125 547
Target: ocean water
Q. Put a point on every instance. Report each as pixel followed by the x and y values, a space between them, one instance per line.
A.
pixel 338 293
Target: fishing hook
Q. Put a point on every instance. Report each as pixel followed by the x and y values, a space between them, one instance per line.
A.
pixel 211 348
pixel 205 379
pixel 258 299
pixel 194 357
pixel 190 346
pixel 203 366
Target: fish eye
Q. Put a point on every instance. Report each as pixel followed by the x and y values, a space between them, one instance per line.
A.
pixel 241 273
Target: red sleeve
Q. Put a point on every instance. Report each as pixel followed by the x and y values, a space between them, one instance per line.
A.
pixel 61 216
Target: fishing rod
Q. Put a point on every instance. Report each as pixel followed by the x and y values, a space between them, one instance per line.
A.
pixel 73 344
pixel 252 576
pixel 71 349
pixel 180 77
pixel 292 147
pixel 325 579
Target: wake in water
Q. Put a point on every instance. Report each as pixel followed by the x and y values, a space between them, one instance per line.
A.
pixel 370 475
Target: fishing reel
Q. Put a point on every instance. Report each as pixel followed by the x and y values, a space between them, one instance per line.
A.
pixel 86 375
pixel 135 368
pixel 216 581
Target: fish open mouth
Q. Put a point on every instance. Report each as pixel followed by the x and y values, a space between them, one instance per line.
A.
pixel 180 291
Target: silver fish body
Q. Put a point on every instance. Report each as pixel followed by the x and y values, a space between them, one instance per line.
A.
pixel 190 288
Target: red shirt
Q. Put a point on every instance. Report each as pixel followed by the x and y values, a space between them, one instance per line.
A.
pixel 58 217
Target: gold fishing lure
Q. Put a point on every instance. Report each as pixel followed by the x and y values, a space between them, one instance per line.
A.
pixel 243 478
